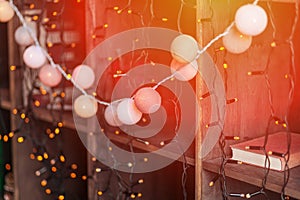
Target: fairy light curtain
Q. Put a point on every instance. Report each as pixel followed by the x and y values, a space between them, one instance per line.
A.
pixel 241 33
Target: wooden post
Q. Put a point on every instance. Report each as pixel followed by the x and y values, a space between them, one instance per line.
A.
pixel 15 96
pixel 202 13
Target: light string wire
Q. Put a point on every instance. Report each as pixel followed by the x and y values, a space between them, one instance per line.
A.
pixel 292 76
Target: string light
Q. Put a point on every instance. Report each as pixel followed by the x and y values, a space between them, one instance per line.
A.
pixel 68 77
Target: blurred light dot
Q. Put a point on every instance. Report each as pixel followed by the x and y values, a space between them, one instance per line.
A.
pixel 13 68
pixel 48 191
pixel 73 175
pixel 99 193
pixel 21 139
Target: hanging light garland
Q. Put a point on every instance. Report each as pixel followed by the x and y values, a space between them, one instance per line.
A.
pixel 250 20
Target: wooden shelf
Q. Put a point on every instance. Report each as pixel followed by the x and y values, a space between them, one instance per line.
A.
pixel 254 175
pixel 4 99
pixel 67 118
pixel 46 115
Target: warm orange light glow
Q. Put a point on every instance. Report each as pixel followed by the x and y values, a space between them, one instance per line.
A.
pixel 46 156
pixel 51 135
pixel 98 170
pixel 48 191
pixel 99 193
pixel 73 45
pixel 32 156
pixel 60 124
pixel 54 169
pixel 26 120
pixel 7 166
pixel 37 103
pixel 141 181
pixel 5 138
pixel 62 158
pixel 22 115
pixel 46 19
pixel 50 44
pixel 69 76
pixel 273 44
pixel 44 183
pixel 74 166
pixel 35 17
pixel 14 111
pixel 11 134
pixel 53 26
pixel 20 139
pixel 39 158
pixel 73 175
pixel 57 131
pixel 13 68
pixel 61 197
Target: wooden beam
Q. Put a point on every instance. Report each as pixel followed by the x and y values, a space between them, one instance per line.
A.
pixel 15 97
pixel 202 13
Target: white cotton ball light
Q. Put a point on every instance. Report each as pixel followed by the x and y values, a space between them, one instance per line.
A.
pixel 147 100
pixel 34 57
pixel 6 11
pixel 111 116
pixel 85 106
pixel 23 37
pixel 236 42
pixel 49 75
pixel 184 72
pixel 127 112
pixel 184 48
pixel 84 76
pixel 251 19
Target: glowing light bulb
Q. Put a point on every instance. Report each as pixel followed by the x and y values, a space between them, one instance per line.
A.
pixel 235 42
pixel 127 112
pixel 85 106
pixel 184 48
pixel 34 57
pixel 84 76
pixel 49 75
pixel 147 100
pixel 23 37
pixel 251 19
pixel 6 11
